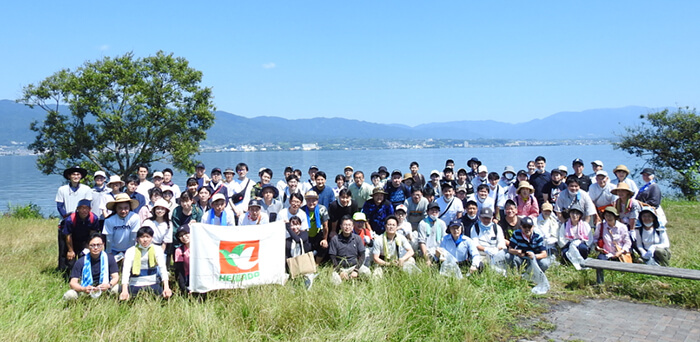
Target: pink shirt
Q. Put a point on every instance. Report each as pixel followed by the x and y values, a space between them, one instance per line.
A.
pixel 617 234
pixel 183 257
pixel 529 208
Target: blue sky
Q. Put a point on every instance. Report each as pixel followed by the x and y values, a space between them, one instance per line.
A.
pixel 407 62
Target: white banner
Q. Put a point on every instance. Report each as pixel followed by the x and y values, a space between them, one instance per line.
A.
pixel 226 257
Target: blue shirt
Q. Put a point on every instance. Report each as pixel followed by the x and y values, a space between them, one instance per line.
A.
pixel 325 196
pixel 535 244
pixel 463 249
pixel 376 214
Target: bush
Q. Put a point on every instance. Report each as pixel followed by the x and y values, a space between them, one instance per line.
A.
pixel 28 211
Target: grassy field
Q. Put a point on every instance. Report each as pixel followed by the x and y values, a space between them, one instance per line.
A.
pixel 398 307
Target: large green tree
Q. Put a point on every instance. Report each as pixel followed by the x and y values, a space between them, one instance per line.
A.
pixel 670 141
pixel 123 112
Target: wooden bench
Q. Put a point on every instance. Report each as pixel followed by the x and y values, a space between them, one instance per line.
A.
pixel 600 265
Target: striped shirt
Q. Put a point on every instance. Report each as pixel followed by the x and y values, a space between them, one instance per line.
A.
pixel 534 244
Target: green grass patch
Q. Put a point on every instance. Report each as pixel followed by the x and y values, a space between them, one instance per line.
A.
pixel 397 307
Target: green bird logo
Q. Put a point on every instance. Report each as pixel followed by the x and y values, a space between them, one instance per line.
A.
pixel 230 258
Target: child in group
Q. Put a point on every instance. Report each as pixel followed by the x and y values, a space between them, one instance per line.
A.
pixel 182 259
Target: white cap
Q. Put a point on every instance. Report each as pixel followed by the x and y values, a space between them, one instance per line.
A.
pixel 100 173
pixel 482 168
pixel 601 172
pixel 597 162
pixel 158 174
pixel 218 196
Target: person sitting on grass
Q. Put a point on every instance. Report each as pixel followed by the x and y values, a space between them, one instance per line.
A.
pixel 430 233
pixel 526 246
pixel 392 249
pixel 611 236
pixel 488 238
pixel 144 268
pixel 652 243
pixel 95 272
pixel 347 252
pixel 576 233
pixel 461 247
pixel 182 259
pixel 297 238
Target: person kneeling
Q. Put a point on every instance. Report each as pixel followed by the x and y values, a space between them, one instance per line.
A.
pixel 95 272
pixel 347 252
pixel 527 246
pixel 144 264
pixel 460 247
pixel 391 248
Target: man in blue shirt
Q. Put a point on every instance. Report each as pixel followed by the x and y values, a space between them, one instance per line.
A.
pixel 461 247
pixel 325 193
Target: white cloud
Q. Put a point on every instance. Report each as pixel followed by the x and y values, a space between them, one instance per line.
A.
pixel 104 47
pixel 270 65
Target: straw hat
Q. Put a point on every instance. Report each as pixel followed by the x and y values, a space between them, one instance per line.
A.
pixel 122 198
pixel 525 185
pixel 622 186
pixel 621 168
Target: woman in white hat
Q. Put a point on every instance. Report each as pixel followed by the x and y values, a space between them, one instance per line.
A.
pixel 160 223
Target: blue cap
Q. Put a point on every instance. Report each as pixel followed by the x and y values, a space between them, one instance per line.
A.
pixel 84 202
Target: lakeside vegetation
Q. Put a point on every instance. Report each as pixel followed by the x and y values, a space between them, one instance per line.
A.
pixel 397 307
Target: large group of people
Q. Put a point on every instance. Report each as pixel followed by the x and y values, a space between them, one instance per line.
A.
pixel 479 219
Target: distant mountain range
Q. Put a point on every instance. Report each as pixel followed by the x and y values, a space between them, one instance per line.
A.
pixel 231 129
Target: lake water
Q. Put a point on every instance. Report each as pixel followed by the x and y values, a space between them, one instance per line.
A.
pixel 30 185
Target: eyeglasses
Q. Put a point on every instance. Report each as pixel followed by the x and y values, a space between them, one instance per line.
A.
pixel 96 246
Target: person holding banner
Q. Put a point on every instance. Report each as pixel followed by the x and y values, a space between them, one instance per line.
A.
pixel 219 215
pixel 182 259
pixel 144 266
pixel 347 252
